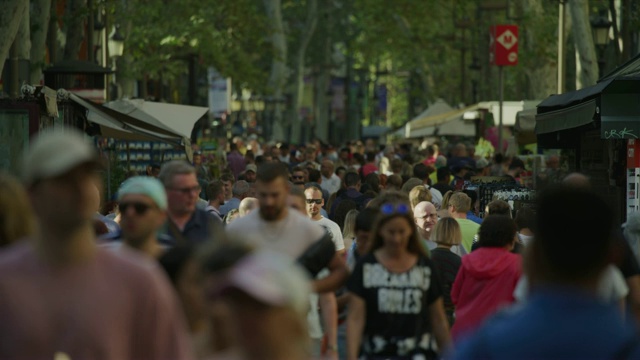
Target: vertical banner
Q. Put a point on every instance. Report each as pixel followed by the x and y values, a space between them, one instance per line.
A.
pixel 219 94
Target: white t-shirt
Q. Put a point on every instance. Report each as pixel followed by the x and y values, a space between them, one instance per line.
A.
pixel 290 236
pixel 313 317
pixel 332 184
pixel 334 230
pixel 611 286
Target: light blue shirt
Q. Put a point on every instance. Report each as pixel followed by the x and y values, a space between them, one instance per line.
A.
pixel 233 203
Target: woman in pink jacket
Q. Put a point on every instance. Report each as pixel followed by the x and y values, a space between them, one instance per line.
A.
pixel 487 277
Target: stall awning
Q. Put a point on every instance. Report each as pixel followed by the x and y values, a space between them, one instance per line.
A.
pixel 440 119
pixel 524 128
pixel 177 118
pixel 120 126
pixel 567 118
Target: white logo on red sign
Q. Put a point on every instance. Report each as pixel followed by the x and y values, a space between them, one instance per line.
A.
pixel 507 39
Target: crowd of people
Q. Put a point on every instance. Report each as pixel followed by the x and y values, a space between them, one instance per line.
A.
pixel 310 253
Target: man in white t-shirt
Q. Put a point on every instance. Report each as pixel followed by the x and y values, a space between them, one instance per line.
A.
pixel 276 227
pixel 330 181
pixel 327 301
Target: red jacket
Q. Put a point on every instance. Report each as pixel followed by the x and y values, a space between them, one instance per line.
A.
pixel 484 284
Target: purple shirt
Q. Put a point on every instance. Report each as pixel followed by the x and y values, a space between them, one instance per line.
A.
pixel 236 163
pixel 113 306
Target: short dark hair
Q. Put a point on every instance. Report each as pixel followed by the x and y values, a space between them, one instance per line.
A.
pixel 214 189
pixel 371 156
pixel 499 207
pixel 443 173
pixel 365 219
pixel 351 179
pixel 496 231
pixel 525 219
pixel 516 163
pixel 314 175
pixel 560 232
pixel 420 171
pixel 227 177
pixel 269 172
pixel 473 195
pixel 373 180
pixel 260 160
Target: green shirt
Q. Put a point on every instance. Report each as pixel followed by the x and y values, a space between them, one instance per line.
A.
pixel 469 230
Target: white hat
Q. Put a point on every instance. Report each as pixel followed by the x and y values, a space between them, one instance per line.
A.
pixel 272 278
pixel 53 153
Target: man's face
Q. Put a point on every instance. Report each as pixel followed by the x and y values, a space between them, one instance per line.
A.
pixel 67 200
pixel 310 156
pixel 197 160
pixel 272 197
pixel 140 218
pixel 344 156
pixel 297 177
pixel 426 218
pixel 183 194
pixel 314 202
pixel 297 203
pixel 250 176
pixel 227 187
pixel 326 169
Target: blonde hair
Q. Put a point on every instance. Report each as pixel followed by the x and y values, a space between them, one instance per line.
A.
pixel 461 201
pixel 447 232
pixel 348 228
pixel 419 194
pixel 16 216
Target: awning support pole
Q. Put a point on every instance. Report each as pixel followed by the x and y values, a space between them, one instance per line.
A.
pixel 501 86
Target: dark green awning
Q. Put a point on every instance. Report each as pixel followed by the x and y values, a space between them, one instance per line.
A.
pixel 567 118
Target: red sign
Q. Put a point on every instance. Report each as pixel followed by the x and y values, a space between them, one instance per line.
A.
pixel 503 45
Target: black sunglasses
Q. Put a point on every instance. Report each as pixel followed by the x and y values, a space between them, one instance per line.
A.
pixel 138 207
pixel 298 177
pixel 317 201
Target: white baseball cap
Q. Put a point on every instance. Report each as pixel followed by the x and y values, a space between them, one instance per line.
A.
pixel 273 279
pixel 55 152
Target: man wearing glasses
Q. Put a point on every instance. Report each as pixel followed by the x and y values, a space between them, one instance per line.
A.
pixel 186 224
pixel 426 217
pixel 143 209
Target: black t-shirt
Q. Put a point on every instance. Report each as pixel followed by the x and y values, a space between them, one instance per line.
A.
pixel 396 305
pixel 443 188
pixel 447 264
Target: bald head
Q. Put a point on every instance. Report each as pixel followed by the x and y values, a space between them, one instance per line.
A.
pixel 327 168
pixel 577 180
pixel 426 217
pixel 247 205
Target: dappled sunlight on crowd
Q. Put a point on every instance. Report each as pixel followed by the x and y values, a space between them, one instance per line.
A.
pixel 312 252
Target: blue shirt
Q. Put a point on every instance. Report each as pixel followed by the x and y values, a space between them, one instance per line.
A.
pixel 556 323
pixel 200 228
pixel 233 203
pixel 471 216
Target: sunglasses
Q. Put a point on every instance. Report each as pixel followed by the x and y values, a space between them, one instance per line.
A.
pixel 189 190
pixel 316 201
pixel 389 209
pixel 138 207
pixel 298 177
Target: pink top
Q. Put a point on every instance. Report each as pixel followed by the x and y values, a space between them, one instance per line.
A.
pixel 115 306
pixel 484 284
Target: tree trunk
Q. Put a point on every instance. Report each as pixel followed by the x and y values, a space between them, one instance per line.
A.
pixel 39 19
pixel 298 83
pixel 74 29
pixel 125 81
pixel 541 76
pixel 579 10
pixel 10 20
pixel 278 66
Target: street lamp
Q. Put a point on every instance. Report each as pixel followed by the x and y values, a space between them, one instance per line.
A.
pixel 116 42
pixel 600 29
